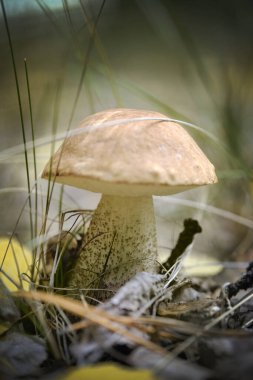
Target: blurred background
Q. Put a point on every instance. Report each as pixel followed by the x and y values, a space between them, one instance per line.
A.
pixel 189 59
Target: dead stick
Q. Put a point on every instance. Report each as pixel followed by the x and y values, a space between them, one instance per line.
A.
pixel 191 227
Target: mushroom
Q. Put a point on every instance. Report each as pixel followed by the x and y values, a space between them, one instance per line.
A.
pixel 127 155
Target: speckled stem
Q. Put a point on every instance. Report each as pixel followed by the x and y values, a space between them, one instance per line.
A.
pixel 120 241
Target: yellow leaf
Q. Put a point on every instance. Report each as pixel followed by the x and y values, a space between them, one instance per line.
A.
pixel 14 262
pixel 107 371
pixel 201 265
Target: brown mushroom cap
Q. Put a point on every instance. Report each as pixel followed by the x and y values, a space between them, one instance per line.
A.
pixel 146 157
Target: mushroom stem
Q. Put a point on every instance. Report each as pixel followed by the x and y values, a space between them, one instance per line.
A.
pixel 120 241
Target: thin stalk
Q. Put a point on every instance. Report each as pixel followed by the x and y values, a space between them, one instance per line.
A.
pixel 14 231
pixel 102 52
pixel 50 187
pixel 60 201
pixel 55 124
pixel 50 15
pixel 90 96
pixel 65 6
pixel 85 65
pixel 57 254
pixel 20 111
pixel 33 148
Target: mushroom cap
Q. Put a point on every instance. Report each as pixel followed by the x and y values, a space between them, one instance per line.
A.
pixel 117 154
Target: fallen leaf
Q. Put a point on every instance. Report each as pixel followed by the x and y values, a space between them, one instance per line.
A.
pixel 14 261
pixel 175 309
pixel 201 265
pixel 107 371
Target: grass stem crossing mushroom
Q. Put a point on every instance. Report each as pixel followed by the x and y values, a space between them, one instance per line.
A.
pixel 127 155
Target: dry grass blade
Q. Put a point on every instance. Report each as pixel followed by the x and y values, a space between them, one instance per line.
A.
pixel 93 314
pixel 185 327
pixel 207 208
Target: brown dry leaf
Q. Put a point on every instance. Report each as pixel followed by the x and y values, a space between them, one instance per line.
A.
pixel 172 309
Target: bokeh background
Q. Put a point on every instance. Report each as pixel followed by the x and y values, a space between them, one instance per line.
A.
pixel 190 59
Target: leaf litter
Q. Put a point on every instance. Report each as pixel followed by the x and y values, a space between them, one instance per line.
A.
pixel 179 329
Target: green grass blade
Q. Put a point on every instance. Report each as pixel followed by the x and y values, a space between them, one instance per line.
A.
pixel 33 148
pixel 85 65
